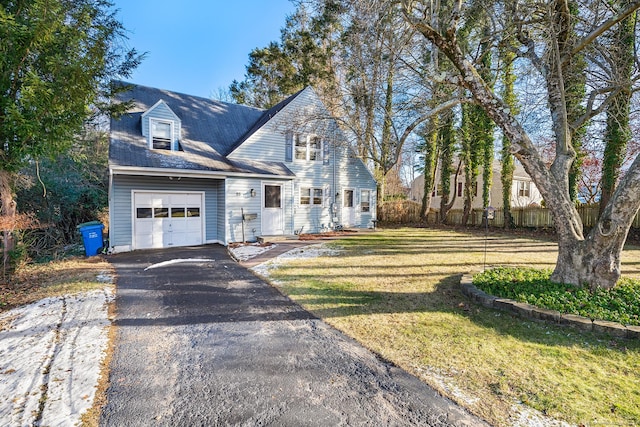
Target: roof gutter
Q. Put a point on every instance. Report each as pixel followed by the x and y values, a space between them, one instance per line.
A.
pixel 186 173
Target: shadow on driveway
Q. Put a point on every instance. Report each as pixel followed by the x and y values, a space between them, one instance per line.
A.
pixel 205 342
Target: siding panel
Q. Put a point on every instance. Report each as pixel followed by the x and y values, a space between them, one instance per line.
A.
pixel 121 214
pixel 342 170
pixel 163 112
pixel 239 198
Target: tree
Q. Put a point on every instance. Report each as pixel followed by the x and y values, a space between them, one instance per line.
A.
pixel 429 156
pixel 618 133
pixel 56 60
pixel 302 57
pixel 509 97
pixel 377 66
pixel 64 192
pixel 446 149
pixel 470 157
pixel 546 39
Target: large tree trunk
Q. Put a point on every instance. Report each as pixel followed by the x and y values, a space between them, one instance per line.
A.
pixel 596 260
pixel 618 132
pixel 430 167
pixel 7 217
pixel 445 208
pixel 468 199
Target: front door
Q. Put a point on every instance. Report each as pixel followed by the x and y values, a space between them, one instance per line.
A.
pixel 272 212
pixel 348 208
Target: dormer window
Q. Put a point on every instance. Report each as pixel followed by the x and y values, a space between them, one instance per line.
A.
pixel 161 134
pixel 161 126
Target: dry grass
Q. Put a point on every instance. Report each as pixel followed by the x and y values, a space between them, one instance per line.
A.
pixel 36 281
pixel 91 418
pixel 396 291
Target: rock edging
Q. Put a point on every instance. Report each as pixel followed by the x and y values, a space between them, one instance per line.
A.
pixel 532 312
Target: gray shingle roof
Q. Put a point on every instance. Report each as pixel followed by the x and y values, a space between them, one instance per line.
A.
pixel 268 115
pixel 210 130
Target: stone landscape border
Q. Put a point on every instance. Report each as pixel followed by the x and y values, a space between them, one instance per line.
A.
pixel 532 312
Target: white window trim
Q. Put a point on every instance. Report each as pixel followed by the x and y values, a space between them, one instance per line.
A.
pixel 524 189
pixel 311 197
pixel 362 190
pixel 353 198
pixel 307 139
pixel 171 123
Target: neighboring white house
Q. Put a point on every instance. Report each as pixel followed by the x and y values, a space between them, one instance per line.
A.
pixel 524 192
pixel 186 170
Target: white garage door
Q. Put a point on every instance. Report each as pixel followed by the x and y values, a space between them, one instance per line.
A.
pixel 167 219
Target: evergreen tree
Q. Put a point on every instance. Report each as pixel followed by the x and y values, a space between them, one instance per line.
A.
pixel 56 61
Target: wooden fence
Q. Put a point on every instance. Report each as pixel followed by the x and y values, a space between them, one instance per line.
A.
pixel 408 212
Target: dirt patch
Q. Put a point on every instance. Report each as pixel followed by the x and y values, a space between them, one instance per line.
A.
pixel 256 244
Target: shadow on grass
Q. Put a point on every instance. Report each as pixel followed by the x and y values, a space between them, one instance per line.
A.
pixel 446 298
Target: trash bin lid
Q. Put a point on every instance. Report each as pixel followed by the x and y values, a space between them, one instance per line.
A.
pixel 85 224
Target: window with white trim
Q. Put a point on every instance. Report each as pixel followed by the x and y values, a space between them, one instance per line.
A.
pixel 161 134
pixel 524 188
pixel 474 189
pixel 348 199
pixel 308 148
pixel 365 201
pixel 311 196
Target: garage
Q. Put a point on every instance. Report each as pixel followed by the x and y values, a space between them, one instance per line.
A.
pixel 167 219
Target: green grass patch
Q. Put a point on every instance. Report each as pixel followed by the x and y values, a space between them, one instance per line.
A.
pixel 397 292
pixel 620 304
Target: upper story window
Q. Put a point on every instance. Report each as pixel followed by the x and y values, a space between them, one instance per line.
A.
pixel 524 188
pixel 161 134
pixel 308 148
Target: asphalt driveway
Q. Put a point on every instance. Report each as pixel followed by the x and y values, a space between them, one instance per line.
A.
pixel 203 341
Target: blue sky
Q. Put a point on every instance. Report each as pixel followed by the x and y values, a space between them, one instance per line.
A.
pixel 198 46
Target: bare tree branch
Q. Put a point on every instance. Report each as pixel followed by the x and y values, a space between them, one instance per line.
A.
pixel 586 41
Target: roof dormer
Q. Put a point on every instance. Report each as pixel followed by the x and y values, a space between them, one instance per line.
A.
pixel 161 126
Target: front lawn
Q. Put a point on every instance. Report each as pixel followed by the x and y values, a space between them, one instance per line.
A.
pixel 397 292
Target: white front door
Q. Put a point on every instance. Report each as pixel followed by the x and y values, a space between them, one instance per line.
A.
pixel 272 211
pixel 167 219
pixel 348 208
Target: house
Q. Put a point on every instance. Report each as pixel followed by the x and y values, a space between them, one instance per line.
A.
pixel 524 192
pixel 186 170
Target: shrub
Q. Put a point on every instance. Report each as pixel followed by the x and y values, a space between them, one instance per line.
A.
pixel 619 304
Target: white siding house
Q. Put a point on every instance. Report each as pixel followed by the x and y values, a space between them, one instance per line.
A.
pixel 186 170
pixel 524 192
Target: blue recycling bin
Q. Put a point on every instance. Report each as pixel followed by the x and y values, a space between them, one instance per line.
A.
pixel 92 238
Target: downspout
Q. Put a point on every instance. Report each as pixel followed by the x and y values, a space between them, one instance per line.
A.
pixel 334 188
pixel 293 206
pixel 109 250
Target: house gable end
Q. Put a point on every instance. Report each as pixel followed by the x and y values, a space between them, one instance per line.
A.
pixel 267 138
